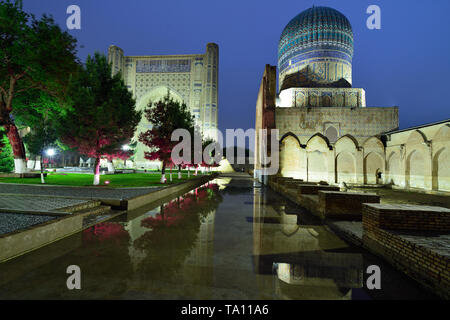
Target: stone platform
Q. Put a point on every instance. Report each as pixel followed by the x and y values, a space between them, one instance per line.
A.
pixel 324 201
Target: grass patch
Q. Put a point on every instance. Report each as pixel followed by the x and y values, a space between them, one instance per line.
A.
pixel 115 180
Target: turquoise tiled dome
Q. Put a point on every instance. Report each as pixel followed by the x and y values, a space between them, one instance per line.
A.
pixel 318 32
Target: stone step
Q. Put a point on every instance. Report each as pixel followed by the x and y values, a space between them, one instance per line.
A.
pixel 97 210
pixel 81 206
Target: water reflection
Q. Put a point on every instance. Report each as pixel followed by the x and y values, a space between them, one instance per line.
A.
pixel 298 253
pixel 223 240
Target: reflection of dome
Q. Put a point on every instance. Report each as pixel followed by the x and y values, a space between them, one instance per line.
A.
pixel 317 43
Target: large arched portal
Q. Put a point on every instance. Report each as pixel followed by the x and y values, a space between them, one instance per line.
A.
pixel 154 95
pixel 373 168
pixel 292 158
pixel 415 170
pixel 345 168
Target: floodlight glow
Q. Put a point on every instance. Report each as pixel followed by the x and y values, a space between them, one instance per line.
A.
pixel 125 147
pixel 51 152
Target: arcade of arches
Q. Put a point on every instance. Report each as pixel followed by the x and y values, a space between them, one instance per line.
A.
pixel 417 158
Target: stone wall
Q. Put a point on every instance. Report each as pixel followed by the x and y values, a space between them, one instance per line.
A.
pixel 419 158
pixel 264 119
pixel 360 123
pixel 409 159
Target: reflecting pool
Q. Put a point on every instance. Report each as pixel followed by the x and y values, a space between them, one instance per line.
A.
pixel 227 239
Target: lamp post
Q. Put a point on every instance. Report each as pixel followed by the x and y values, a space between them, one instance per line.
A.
pixel 50 153
pixel 125 147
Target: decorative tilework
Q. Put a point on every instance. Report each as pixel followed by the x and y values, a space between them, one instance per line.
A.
pixel 319 37
pixel 144 66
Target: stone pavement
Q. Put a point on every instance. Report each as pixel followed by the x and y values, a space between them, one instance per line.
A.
pixel 74 192
pixel 10 222
pixel 26 203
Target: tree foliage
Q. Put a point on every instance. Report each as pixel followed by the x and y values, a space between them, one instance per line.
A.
pixel 103 117
pixel 166 116
pixel 35 55
pixel 6 155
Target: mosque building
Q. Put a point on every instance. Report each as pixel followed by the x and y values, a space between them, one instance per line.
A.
pixel 326 131
pixel 189 78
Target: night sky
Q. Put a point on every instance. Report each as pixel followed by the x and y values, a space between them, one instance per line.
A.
pixel 406 63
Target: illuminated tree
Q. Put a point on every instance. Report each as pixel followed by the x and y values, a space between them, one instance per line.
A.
pixel 166 116
pixel 34 55
pixel 103 117
pixel 6 155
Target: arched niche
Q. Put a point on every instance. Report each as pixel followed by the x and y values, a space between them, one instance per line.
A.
pixel 373 167
pixel 415 173
pixel 345 167
pixel 393 170
pixel 292 157
pixel 441 170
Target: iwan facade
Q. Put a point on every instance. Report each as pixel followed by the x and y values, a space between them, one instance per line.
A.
pixel 189 78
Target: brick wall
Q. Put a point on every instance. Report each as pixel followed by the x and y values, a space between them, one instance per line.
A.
pixel 408 217
pixel 408 253
pixel 344 205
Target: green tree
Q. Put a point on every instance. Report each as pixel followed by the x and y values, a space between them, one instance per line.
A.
pixel 34 55
pixel 103 117
pixel 40 112
pixel 42 136
pixel 6 155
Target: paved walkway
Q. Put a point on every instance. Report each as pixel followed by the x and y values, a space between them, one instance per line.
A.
pixel 74 192
pixel 20 202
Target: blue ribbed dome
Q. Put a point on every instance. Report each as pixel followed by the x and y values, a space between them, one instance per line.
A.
pixel 316 33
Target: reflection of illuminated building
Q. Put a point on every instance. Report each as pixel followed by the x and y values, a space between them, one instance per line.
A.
pixel 198 265
pixel 222 182
pixel 300 257
pixel 136 230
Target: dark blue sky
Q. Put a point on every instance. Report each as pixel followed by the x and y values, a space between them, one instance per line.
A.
pixel 406 63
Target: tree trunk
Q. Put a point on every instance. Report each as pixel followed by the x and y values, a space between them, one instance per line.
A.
pixel 31 163
pixel 163 173
pixel 110 166
pixel 38 163
pixel 42 169
pixel 17 147
pixel 97 171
